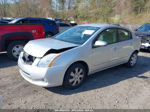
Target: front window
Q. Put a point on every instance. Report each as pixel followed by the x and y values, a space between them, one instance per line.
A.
pixel 77 35
pixel 108 35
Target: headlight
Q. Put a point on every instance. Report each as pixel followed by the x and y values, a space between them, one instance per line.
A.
pixel 48 60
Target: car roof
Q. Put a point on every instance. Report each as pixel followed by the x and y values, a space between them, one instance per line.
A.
pixel 62 22
pixel 42 19
pixel 34 19
pixel 39 19
pixel 104 26
pixel 98 25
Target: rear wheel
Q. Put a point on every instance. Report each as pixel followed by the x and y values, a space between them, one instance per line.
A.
pixel 14 49
pixel 133 60
pixel 75 76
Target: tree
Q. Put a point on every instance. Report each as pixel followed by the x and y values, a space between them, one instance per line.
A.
pixel 3 8
pixel 138 5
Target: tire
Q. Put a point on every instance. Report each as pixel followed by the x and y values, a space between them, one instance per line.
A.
pixel 133 60
pixel 14 49
pixel 75 76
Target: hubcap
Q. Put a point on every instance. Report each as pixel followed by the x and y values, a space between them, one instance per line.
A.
pixel 17 50
pixel 76 76
pixel 133 59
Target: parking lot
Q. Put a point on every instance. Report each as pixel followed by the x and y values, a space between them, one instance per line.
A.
pixel 119 87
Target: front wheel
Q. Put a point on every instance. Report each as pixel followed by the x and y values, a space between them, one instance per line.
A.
pixel 133 60
pixel 75 76
pixel 14 49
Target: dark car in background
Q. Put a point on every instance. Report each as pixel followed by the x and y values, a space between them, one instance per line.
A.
pixel 63 26
pixel 144 33
pixel 67 21
pixel 50 26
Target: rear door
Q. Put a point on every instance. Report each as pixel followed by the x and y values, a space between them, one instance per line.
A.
pixel 125 45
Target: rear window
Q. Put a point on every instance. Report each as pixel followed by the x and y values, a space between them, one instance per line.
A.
pixel 123 35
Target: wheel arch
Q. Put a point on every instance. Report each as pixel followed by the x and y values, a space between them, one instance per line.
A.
pixel 81 62
pixel 77 62
pixel 6 38
pixel 136 51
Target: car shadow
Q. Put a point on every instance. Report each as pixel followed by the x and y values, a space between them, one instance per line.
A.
pixel 109 77
pixel 5 61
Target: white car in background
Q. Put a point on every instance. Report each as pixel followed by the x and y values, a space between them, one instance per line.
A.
pixel 68 58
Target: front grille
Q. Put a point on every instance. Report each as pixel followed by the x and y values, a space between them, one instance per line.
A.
pixel 28 59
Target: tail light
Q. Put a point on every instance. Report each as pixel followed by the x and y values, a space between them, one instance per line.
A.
pixel 57 27
pixel 40 32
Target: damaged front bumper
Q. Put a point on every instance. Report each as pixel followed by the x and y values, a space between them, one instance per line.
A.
pixel 41 76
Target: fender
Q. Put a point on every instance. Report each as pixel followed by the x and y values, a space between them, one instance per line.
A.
pixel 9 35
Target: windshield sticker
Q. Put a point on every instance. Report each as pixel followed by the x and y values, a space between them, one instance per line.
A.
pixel 88 32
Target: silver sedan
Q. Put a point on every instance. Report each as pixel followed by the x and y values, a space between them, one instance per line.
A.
pixel 68 58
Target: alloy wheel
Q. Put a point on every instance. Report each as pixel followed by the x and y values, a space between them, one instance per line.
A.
pixel 17 50
pixel 133 59
pixel 76 76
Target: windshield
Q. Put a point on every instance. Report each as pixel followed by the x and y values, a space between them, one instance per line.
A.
pixel 77 35
pixel 14 21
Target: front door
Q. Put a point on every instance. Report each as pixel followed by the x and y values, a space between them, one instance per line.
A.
pixel 105 56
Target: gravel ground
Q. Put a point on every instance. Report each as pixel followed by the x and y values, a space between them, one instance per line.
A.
pixel 119 87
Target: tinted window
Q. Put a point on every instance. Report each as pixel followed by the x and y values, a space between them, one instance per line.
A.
pixel 23 22
pixel 109 36
pixel 123 35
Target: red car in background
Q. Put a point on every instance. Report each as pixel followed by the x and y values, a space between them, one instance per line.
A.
pixel 13 37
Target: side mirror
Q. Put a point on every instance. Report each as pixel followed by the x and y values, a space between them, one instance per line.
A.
pixel 99 43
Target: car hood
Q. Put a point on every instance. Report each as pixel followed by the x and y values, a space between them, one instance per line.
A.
pixel 39 48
